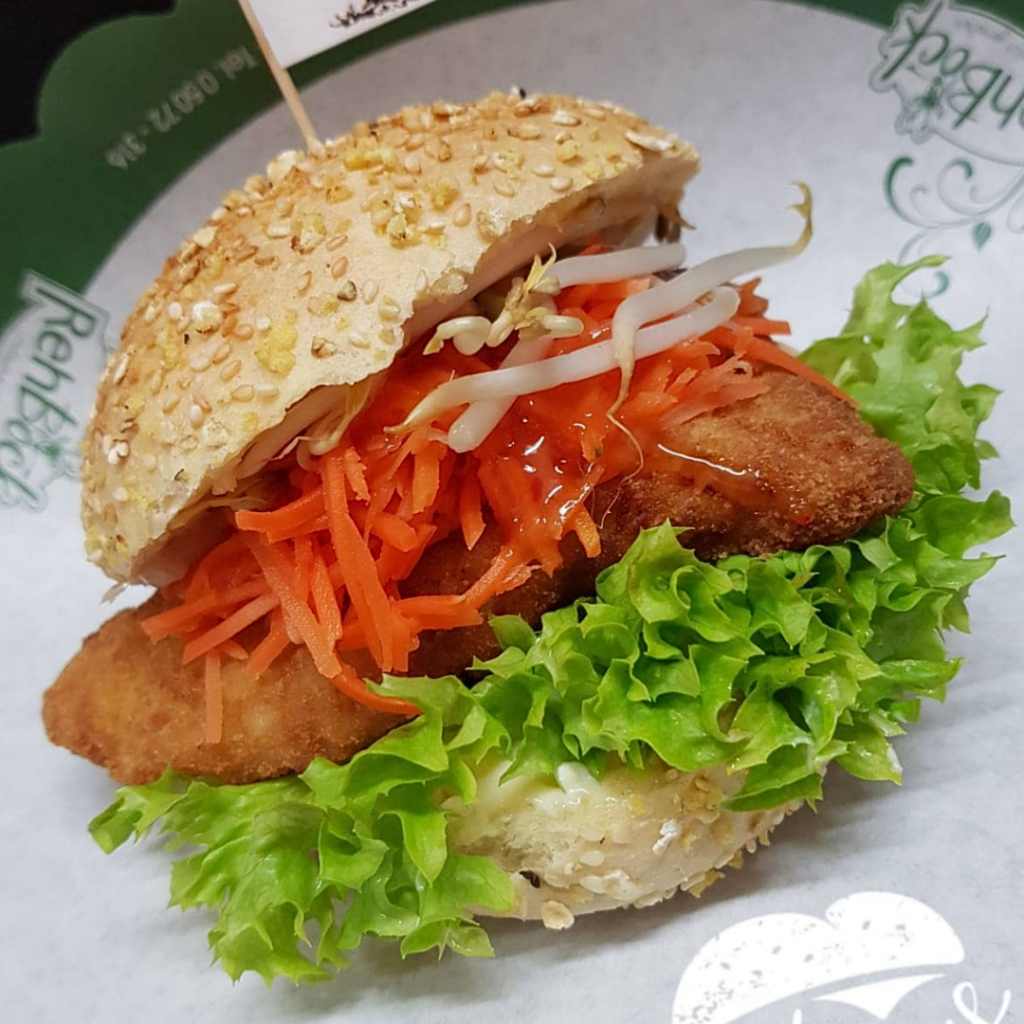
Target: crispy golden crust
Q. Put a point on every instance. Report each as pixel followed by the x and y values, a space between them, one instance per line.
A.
pixel 305 283
pixel 130 705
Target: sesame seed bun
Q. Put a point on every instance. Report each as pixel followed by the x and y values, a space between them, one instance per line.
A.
pixel 305 284
pixel 629 840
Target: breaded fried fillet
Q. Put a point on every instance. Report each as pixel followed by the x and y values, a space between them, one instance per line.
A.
pixel 820 474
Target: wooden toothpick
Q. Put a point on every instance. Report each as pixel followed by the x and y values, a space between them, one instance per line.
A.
pixel 281 76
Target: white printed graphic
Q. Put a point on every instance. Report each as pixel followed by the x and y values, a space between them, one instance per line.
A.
pixel 303 28
pixel 888 944
pixel 958 74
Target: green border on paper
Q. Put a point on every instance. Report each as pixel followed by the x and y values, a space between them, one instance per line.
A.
pixel 66 207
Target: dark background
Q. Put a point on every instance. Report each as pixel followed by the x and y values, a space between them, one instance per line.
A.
pixel 32 34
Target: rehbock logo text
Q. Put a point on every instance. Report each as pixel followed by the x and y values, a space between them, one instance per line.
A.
pixel 55 343
pixel 958 74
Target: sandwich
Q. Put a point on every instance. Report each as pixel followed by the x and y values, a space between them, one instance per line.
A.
pixel 505 563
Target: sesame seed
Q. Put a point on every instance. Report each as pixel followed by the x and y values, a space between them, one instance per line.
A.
pixel 561 184
pixel 221 353
pixel 267 390
pixel 206 316
pixel 263 323
pixel 195 415
pixel 230 370
pixel 414 141
pixel 150 314
pixel 243 331
pixel 543 170
pixel 652 143
pixel 304 282
pixel 117 452
pixel 120 495
pixel 204 236
pixel 387 308
pixel 480 162
pixel 149 460
pixel 278 231
pixel 524 131
pixel 563 136
pixel 339 267
pixel 567 151
pixel 564 118
pixel 370 290
pixel 170 403
pixel 357 339
pixel 121 369
pixel 243 393
pixel 404 181
pixel 444 152
pixel 199 362
pixel 335 242
pixel 322 348
pixel 504 188
pixel 226 288
pixel 412 164
pixel 156 382
pixel 462 215
pixel 434 226
pixel 347 292
pixel 595 112
pixel 245 253
pixel 421 277
pixel 174 311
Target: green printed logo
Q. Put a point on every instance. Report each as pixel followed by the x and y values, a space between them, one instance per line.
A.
pixel 57 341
pixel 959 77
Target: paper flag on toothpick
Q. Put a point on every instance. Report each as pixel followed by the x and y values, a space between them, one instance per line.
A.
pixel 299 29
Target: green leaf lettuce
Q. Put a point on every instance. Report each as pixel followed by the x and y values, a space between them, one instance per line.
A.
pixel 775 666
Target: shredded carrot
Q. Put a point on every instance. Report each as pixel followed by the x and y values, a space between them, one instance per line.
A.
pixel 471 516
pixel 233 649
pixel 296 513
pixel 299 620
pixel 271 646
pixel 357 566
pixel 325 600
pixel 214 699
pixel 764 351
pixel 321 563
pixel 394 530
pixel 186 615
pixel 227 628
pixel 349 683
pixel 355 474
pixel 586 530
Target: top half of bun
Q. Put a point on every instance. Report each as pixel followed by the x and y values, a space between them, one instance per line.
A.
pixel 308 281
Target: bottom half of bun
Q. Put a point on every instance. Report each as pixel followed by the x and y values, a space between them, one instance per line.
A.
pixel 630 839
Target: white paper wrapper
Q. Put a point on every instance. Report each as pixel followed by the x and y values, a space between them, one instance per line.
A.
pixel 770 93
